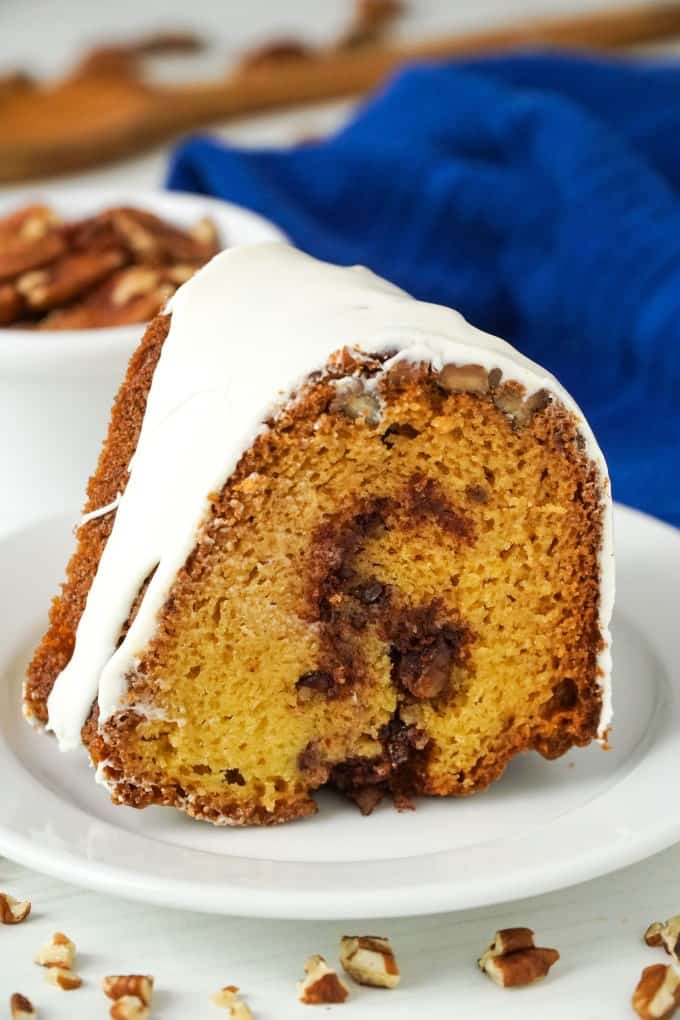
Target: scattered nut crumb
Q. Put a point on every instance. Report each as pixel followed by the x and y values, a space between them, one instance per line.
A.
pixel 322 985
pixel 58 952
pixel 369 960
pixel 22 1008
pixel 513 960
pixel 666 934
pixel 117 986
pixel 657 995
pixel 13 911
pixel 63 978
pixel 129 1007
pixel 228 998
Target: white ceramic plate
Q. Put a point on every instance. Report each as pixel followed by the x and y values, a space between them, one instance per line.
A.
pixel 545 825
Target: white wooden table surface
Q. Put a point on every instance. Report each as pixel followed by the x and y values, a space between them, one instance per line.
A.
pixel 597 926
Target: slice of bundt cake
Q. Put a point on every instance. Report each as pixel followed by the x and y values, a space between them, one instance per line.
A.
pixel 336 535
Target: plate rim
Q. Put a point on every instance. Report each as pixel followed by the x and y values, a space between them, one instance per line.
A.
pixel 232 899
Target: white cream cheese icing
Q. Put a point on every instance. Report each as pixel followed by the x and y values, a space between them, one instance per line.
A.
pixel 245 332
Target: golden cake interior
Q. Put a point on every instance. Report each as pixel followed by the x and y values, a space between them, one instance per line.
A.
pixel 397 596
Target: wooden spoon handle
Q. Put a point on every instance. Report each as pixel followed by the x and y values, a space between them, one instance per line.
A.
pixel 87 120
pixel 335 74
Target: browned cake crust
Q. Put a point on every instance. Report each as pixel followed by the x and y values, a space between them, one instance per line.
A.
pixel 407 642
pixel 109 479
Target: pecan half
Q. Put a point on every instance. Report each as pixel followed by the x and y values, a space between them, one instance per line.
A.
pixel 134 294
pixel 67 278
pixel 21 255
pixel 153 241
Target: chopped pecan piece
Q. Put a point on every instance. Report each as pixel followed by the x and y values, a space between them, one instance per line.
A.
pixel 321 986
pixel 666 934
pixel 355 402
pixel 13 911
pixel 22 1008
pixel 63 978
pixel 116 986
pixel 510 399
pixel 129 1007
pixel 464 379
pixel 657 994
pixel 228 998
pixel 513 960
pixel 369 960
pixel 60 952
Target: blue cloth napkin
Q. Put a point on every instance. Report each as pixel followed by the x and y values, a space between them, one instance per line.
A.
pixel 539 195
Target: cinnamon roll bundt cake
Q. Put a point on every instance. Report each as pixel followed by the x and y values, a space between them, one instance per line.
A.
pixel 335 536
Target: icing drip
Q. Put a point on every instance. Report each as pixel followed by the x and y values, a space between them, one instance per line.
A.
pixel 246 331
pixel 101 511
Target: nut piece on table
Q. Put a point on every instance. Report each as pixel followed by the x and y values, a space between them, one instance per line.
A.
pixel 58 952
pixel 666 934
pixel 322 986
pixel 369 960
pixel 117 986
pixel 63 978
pixel 22 1008
pixel 129 1007
pixel 657 995
pixel 13 911
pixel 513 960
pixel 228 998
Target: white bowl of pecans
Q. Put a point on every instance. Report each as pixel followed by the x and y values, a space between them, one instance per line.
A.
pixel 81 271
